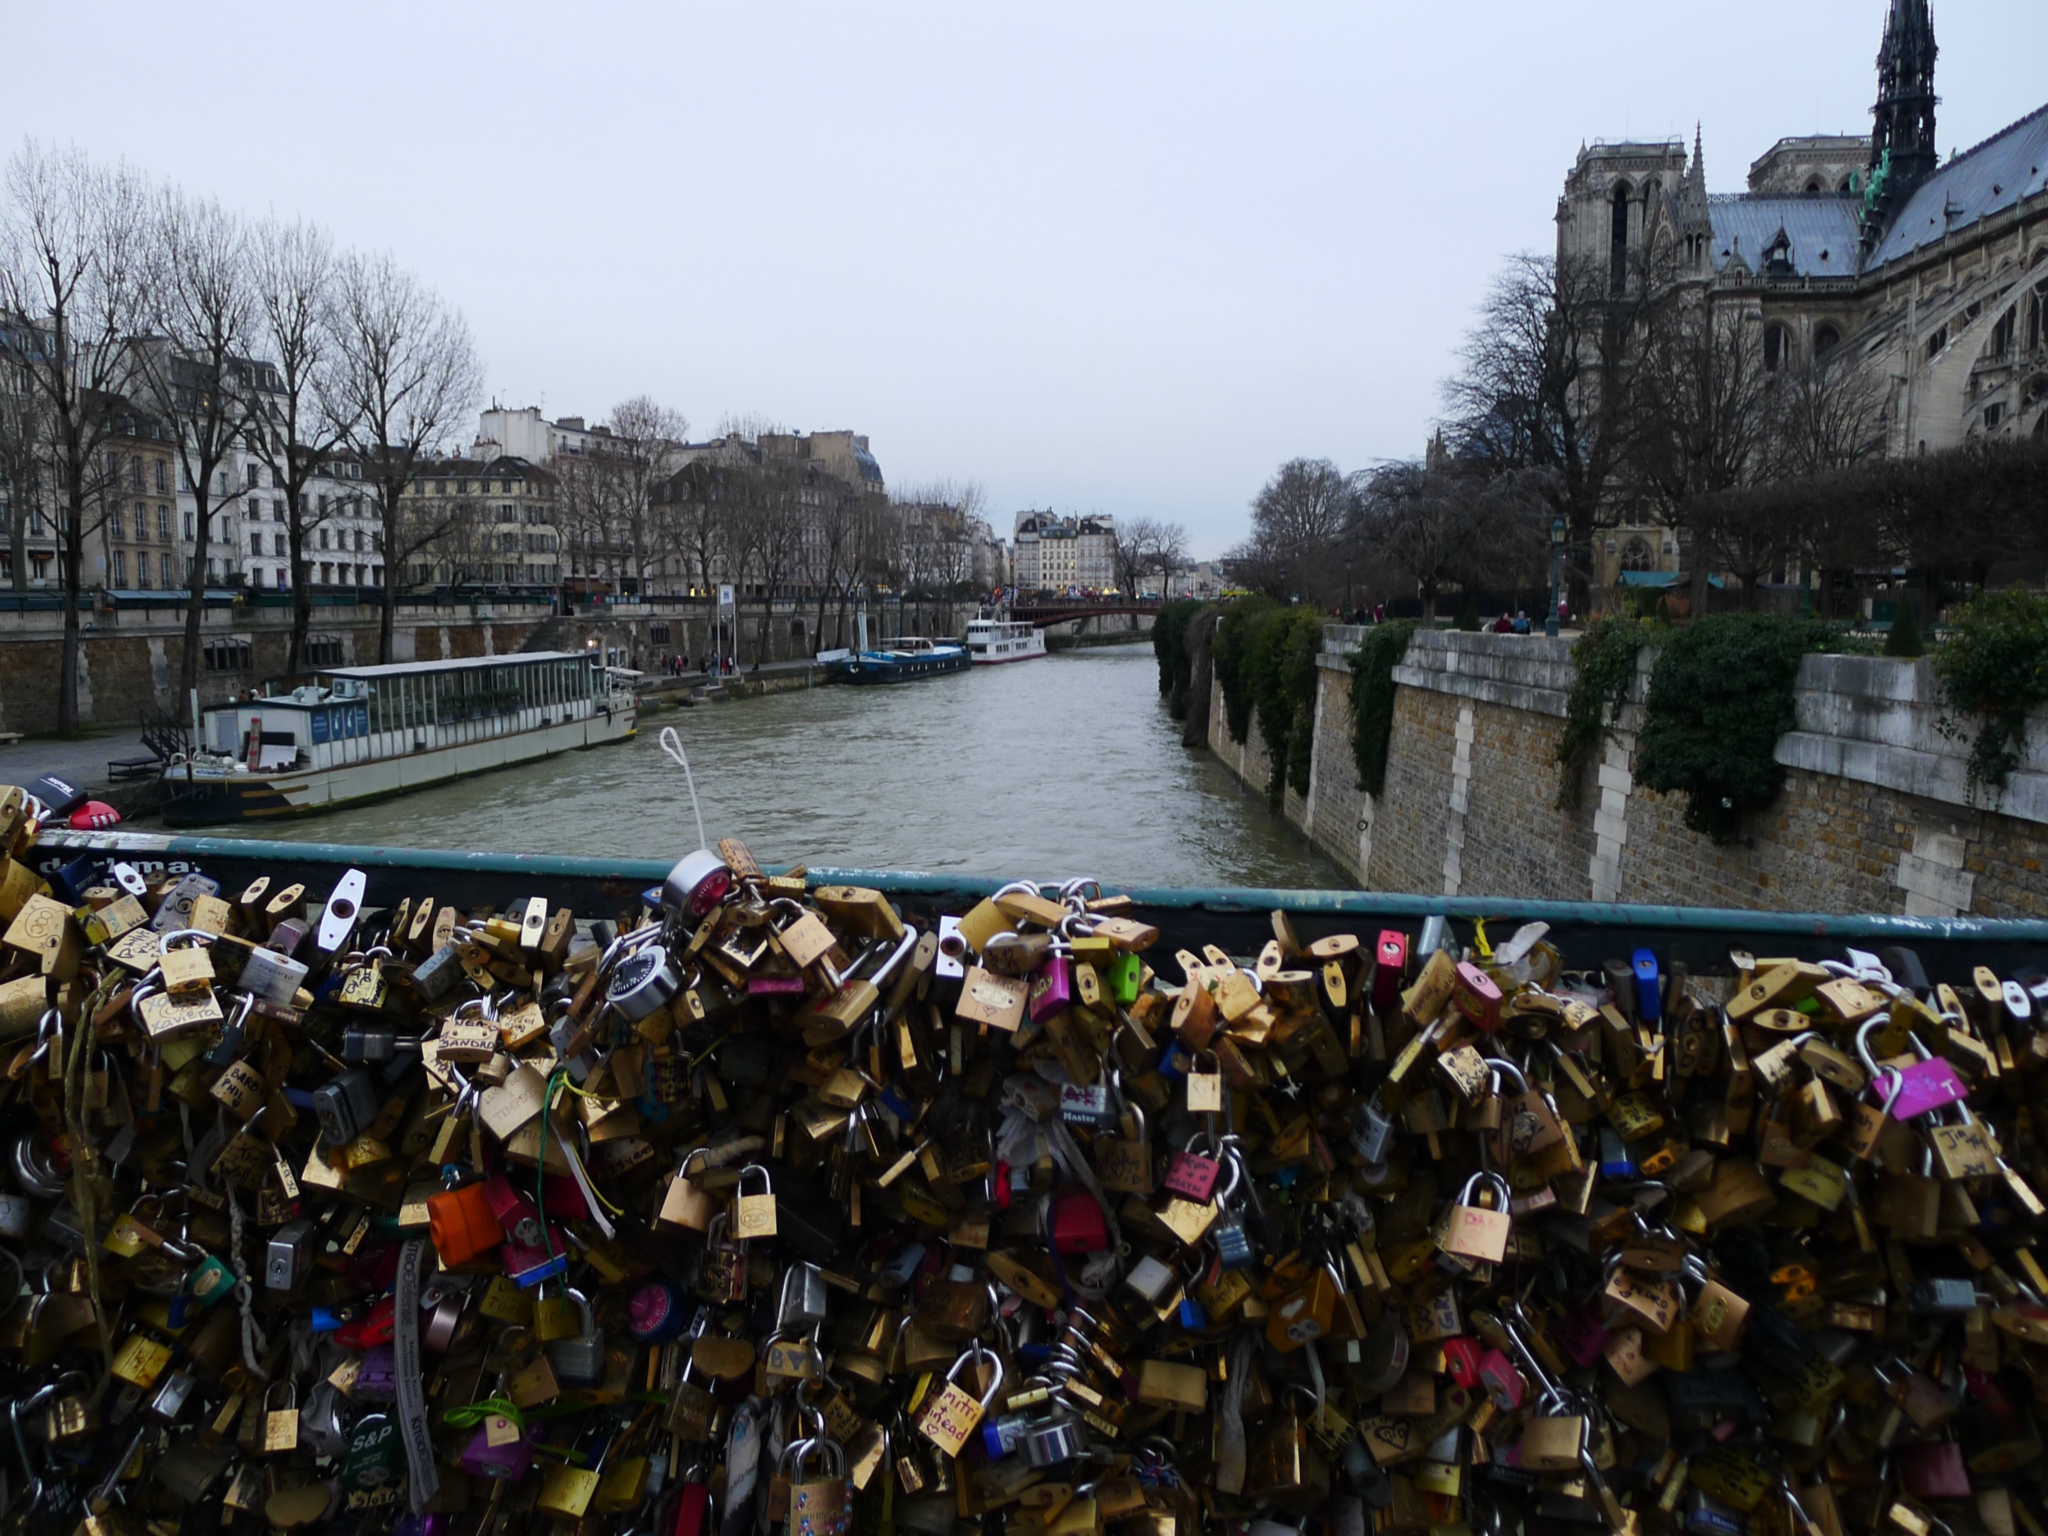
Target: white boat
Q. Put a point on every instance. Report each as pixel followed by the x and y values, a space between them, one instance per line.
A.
pixel 994 640
pixel 364 733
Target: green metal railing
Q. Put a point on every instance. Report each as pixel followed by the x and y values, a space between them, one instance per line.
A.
pixel 1236 918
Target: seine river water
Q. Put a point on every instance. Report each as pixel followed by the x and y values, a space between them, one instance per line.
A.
pixel 1049 768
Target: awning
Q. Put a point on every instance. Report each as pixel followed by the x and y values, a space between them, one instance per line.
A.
pixel 1663 579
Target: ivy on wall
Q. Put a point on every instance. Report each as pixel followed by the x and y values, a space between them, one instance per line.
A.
pixel 1372 700
pixel 1265 657
pixel 1721 695
pixel 1994 667
pixel 1603 666
pixel 1170 646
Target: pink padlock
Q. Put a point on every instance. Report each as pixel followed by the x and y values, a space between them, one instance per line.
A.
pixel 1935 1471
pixel 1191 1175
pixel 1926 1086
pixel 1462 1358
pixel 1505 1385
pixel 1052 986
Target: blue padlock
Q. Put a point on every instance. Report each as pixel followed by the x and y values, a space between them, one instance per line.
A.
pixel 1649 987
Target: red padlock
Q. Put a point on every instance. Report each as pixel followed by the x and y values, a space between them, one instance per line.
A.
pixel 1078 1223
pixel 514 1209
pixel 93 816
pixel 692 1508
pixel 374 1327
pixel 1461 1361
pixel 462 1225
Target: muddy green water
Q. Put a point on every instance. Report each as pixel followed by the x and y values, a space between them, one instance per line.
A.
pixel 1063 766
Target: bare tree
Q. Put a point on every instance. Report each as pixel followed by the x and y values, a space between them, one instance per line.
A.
pixel 1548 381
pixel 195 372
pixel 72 242
pixel 24 445
pixel 293 273
pixel 407 375
pixel 1438 529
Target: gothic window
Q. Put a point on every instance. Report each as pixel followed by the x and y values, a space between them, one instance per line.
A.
pixel 1936 342
pixel 1777 347
pixel 1825 340
pixel 1813 187
pixel 2002 333
pixel 1636 555
pixel 1618 274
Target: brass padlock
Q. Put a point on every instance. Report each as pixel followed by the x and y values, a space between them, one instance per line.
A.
pixel 754 1215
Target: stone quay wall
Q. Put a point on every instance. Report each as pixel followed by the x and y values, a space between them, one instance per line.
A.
pixel 1877 813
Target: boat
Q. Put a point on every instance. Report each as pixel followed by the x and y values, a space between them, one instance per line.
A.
pixel 366 733
pixel 893 661
pixel 991 641
pixel 900 661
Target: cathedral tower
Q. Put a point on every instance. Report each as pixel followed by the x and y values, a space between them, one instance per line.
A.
pixel 1905 96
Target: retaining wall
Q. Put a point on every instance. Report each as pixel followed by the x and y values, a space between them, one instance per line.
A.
pixel 1877 813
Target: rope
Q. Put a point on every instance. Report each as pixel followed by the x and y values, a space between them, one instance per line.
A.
pixel 254 1345
pixel 672 744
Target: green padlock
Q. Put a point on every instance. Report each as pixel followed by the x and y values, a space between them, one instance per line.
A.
pixel 1122 976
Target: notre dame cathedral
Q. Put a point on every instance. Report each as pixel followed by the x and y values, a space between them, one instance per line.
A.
pixel 1934 274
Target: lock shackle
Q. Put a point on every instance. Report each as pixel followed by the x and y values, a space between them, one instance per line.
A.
pixel 1075 891
pixel 289 1385
pixel 1494 1182
pixel 767 1184
pixel 1499 1066
pixel 896 956
pixel 1016 888
pixel 202 937
pixel 979 1352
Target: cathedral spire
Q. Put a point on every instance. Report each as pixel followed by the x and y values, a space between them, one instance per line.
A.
pixel 1902 140
pixel 1696 175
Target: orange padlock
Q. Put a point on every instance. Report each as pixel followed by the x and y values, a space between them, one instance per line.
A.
pixel 462 1225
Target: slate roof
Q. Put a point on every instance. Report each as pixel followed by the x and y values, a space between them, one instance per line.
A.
pixel 1822 229
pixel 2005 168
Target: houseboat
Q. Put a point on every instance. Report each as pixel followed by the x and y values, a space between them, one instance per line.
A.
pixel 364 733
pixel 899 661
pixel 990 641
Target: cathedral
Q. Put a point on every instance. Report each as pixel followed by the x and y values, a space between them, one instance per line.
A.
pixel 1934 274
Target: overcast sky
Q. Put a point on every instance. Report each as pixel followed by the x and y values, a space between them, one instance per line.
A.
pixel 1113 257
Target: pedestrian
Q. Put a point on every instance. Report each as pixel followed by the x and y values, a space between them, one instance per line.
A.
pixel 1379 613
pixel 1521 621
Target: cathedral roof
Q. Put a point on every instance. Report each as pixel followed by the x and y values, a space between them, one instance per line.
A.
pixel 1822 231
pixel 2004 169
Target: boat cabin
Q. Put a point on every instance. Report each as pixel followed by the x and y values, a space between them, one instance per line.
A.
pixel 360 714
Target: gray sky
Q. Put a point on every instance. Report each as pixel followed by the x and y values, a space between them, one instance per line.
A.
pixel 1114 257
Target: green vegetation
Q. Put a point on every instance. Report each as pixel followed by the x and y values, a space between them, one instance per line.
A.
pixel 1170 645
pixel 1720 697
pixel 1995 667
pixel 1372 700
pixel 1468 614
pixel 1603 666
pixel 1904 636
pixel 1265 657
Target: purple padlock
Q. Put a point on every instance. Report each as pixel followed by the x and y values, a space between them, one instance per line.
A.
pixel 1926 1086
pixel 1582 1335
pixel 1052 987
pixel 377 1380
pixel 509 1461
pixel 1935 1471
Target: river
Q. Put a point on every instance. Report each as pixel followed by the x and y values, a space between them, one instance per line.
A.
pixel 1064 766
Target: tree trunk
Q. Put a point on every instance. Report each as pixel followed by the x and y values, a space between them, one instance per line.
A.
pixel 1429 606
pixel 302 604
pixel 73 543
pixel 195 591
pixel 17 544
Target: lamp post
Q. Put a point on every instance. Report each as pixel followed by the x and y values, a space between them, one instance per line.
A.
pixel 1551 622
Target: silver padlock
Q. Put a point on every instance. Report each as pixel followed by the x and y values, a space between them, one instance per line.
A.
pixel 175 911
pixel 171 1395
pixel 950 964
pixel 288 1256
pixel 1047 1445
pixel 579 1362
pixel 802 1302
pixel 1372 1130
pixel 344 1106
pixel 1151 1279
pixel 273 977
pixel 324 1421
pixel 643 982
pixel 1088 1105
pixel 1942 1298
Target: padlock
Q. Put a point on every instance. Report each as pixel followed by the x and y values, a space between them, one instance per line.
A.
pixel 754 1215
pixel 950 1415
pixel 820 1502
pixel 280 1419
pixel 1476 1232
pixel 578 1360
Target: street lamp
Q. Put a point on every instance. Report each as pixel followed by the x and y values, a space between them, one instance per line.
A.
pixel 1551 623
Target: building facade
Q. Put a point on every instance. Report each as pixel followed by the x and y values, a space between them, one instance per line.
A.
pixel 1927 278
pixel 1050 553
pixel 492 523
pixel 137 548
